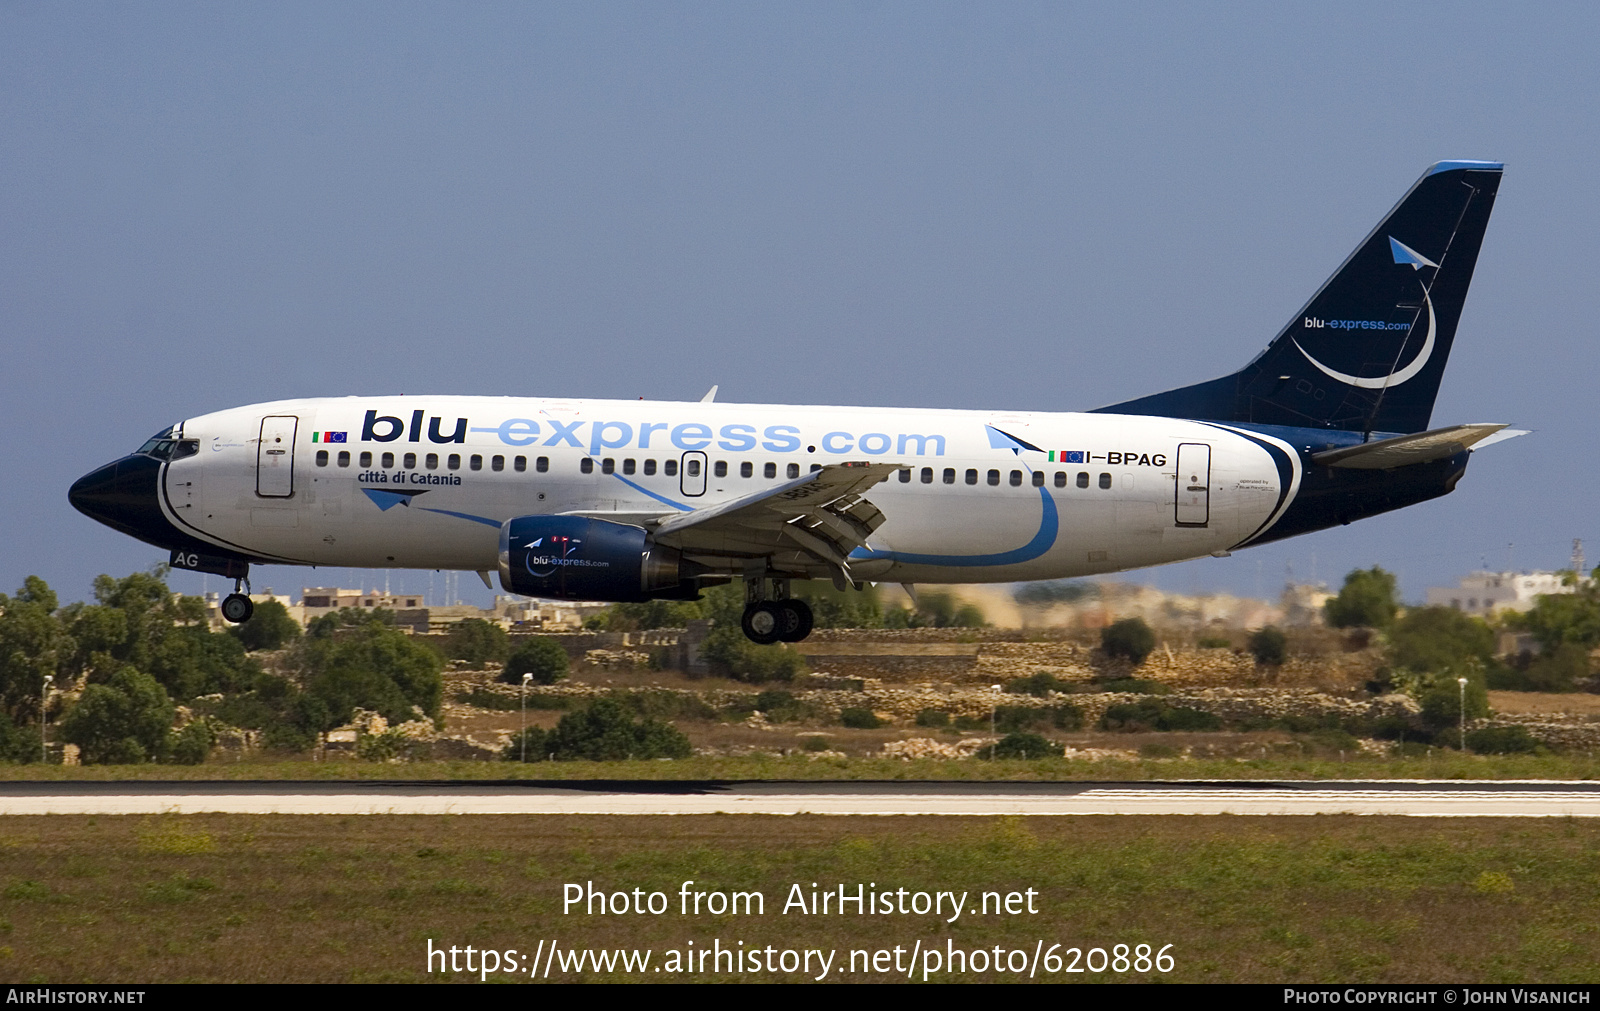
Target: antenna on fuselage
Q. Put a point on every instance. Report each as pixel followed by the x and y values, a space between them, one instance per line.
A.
pixel 710 396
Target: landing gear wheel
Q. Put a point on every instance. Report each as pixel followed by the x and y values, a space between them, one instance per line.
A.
pixel 798 620
pixel 764 623
pixel 237 608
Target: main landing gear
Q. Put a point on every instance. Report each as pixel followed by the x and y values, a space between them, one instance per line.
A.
pixel 237 607
pixel 779 619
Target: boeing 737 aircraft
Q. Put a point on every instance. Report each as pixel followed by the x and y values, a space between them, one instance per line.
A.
pixel 634 500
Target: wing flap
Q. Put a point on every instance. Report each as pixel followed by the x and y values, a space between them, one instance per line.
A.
pixel 822 515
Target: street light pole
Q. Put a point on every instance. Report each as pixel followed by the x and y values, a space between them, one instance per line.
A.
pixel 1463 683
pixel 992 732
pixel 526 677
pixel 44 732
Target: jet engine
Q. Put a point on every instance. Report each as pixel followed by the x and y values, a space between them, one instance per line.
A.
pixel 577 558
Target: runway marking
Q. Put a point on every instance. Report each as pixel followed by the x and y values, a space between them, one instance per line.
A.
pixel 1309 800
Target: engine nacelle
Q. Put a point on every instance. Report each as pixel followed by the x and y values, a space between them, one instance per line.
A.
pixel 577 558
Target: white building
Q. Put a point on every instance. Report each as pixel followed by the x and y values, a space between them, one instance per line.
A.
pixel 1485 594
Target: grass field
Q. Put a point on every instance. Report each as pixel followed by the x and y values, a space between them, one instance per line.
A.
pixel 1442 764
pixel 1319 899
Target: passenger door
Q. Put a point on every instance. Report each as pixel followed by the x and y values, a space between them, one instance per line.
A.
pixel 275 457
pixel 1192 507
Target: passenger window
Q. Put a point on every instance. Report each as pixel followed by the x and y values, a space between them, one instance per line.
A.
pixel 344 458
pixel 770 470
pixel 586 465
pixel 322 458
pixel 949 475
pixel 972 475
pixel 994 477
pixel 691 468
pixel 520 464
pixel 542 464
pixel 1016 479
pixel 747 469
pixel 720 468
pixel 476 463
pixel 608 466
pixel 455 461
pixel 410 461
pixel 497 463
pixel 669 468
pixel 627 466
pixel 794 470
pixel 927 475
pixel 1038 479
pixel 1105 480
pixel 1083 479
pixel 432 461
pixel 1061 479
pixel 905 477
pixel 388 460
pixel 649 467
pixel 816 467
pixel 366 460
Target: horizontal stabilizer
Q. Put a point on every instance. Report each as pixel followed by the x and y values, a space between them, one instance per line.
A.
pixel 1406 450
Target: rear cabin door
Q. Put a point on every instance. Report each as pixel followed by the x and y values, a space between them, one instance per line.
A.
pixel 1193 501
pixel 275 457
pixel 693 476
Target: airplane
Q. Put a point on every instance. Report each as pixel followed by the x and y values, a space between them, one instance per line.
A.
pixel 616 500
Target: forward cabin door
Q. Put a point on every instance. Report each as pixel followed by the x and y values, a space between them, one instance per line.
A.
pixel 1193 496
pixel 275 457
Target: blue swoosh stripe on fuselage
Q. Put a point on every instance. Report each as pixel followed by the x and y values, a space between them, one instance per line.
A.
pixel 659 498
pixel 1044 540
pixel 463 516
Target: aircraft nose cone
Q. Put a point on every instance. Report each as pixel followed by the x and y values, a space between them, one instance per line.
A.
pixel 122 495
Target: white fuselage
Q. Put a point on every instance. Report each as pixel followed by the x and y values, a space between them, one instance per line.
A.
pixel 425 482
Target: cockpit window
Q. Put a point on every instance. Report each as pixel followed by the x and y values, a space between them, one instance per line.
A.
pixel 188 447
pixel 160 444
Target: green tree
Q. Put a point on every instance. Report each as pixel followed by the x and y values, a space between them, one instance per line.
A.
pixel 1440 640
pixel 1367 600
pixel 17 744
pixel 605 731
pixel 1561 618
pixel 542 657
pixel 732 655
pixel 139 622
pixel 835 608
pixel 527 746
pixel 651 614
pixel 124 721
pixel 372 666
pixel 1270 647
pixel 1129 639
pixel 33 643
pixel 269 627
pixel 477 642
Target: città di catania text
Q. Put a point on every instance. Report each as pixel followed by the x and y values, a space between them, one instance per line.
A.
pixel 842 899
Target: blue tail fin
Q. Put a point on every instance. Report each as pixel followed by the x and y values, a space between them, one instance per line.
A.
pixel 1368 351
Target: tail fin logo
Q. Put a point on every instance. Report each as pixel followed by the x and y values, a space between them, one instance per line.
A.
pixel 1403 254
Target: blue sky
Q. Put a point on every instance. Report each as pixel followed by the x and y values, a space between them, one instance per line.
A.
pixel 1043 207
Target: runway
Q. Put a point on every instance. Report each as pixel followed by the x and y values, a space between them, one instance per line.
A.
pixel 1444 799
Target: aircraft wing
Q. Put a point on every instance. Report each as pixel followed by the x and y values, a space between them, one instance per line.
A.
pixel 811 522
pixel 1421 447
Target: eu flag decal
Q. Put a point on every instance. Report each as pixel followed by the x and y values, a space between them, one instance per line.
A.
pixel 1068 456
pixel 329 436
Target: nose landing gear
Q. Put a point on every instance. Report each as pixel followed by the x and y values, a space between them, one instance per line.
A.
pixel 779 619
pixel 237 607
